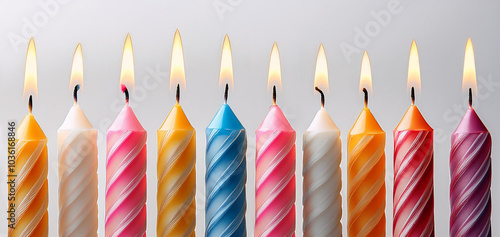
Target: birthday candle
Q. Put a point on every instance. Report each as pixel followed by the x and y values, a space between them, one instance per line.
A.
pixel 275 166
pixel 366 169
pixel 30 171
pixel 176 161
pixel 413 166
pixel 77 150
pixel 226 164
pixel 126 163
pixel 470 166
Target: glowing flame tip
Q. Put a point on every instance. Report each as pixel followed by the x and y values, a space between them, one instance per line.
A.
pixel 321 70
pixel 469 75
pixel 365 80
pixel 177 71
pixel 274 74
pixel 31 71
pixel 226 64
pixel 413 69
pixel 127 72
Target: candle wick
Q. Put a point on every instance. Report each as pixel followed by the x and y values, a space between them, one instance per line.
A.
pixel 178 93
pixel 226 91
pixel 30 103
pixel 75 93
pixel 274 95
pixel 365 92
pixel 127 97
pixel 412 94
pixel 322 96
pixel 470 97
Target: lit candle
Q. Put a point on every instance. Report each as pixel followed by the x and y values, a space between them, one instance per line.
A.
pixel 366 168
pixel 225 163
pixel 176 161
pixel 413 166
pixel 126 163
pixel 30 171
pixel 470 166
pixel 77 150
pixel 322 175
pixel 275 166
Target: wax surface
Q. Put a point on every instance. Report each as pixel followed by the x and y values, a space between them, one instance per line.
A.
pixel 225 175
pixel 176 175
pixel 413 176
pixel 366 177
pixel 322 178
pixel 31 198
pixel 77 151
pixel 470 170
pixel 275 176
pixel 126 176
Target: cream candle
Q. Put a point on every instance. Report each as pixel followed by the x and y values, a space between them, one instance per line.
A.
pixel 77 152
pixel 322 176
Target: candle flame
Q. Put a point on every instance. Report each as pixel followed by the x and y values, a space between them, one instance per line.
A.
pixel 127 69
pixel 31 71
pixel 274 74
pixel 469 76
pixel 365 80
pixel 321 70
pixel 226 65
pixel 177 71
pixel 414 69
pixel 77 69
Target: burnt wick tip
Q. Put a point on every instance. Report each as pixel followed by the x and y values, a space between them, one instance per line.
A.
pixel 30 103
pixel 322 96
pixel 365 92
pixel 226 92
pixel 178 93
pixel 274 94
pixel 75 92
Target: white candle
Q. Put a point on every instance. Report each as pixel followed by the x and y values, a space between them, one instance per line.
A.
pixel 322 177
pixel 77 151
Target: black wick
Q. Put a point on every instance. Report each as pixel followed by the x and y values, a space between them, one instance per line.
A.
pixel 75 92
pixel 127 97
pixel 412 95
pixel 178 94
pixel 470 97
pixel 226 91
pixel 274 94
pixel 322 97
pixel 30 103
pixel 365 92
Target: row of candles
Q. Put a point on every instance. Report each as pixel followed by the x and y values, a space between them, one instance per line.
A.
pixel 225 180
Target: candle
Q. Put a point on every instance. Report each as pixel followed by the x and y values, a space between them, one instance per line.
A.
pixel 77 150
pixel 275 166
pixel 470 166
pixel 366 168
pixel 126 163
pixel 225 163
pixel 322 175
pixel 413 166
pixel 176 161
pixel 30 168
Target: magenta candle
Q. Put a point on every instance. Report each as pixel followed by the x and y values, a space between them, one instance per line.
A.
pixel 470 166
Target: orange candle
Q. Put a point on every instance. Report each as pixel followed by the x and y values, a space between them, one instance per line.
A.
pixel 366 168
pixel 30 171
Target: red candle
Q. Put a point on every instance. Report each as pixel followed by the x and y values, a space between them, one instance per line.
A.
pixel 413 166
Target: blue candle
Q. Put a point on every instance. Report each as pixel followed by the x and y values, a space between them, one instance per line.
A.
pixel 226 175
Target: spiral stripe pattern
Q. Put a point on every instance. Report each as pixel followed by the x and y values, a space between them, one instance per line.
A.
pixel 126 184
pixel 275 184
pixel 225 183
pixel 78 183
pixel 31 195
pixel 322 184
pixel 366 186
pixel 470 189
pixel 176 183
pixel 413 184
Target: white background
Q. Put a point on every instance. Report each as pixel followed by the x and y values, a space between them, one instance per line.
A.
pixel 441 29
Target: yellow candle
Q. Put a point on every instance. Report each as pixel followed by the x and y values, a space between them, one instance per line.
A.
pixel 176 164
pixel 30 171
pixel 366 169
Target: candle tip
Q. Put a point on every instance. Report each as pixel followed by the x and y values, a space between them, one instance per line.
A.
pixel 322 96
pixel 30 103
pixel 226 91
pixel 274 95
pixel 470 97
pixel 412 95
pixel 365 92
pixel 125 90
pixel 178 93
pixel 75 92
